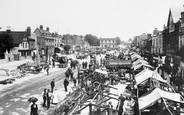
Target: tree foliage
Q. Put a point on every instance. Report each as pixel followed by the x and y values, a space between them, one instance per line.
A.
pixel 92 40
pixel 67 47
pixel 118 41
pixel 181 53
pixel 6 42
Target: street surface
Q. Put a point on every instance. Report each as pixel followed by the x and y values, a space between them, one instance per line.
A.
pixel 14 97
pixel 13 101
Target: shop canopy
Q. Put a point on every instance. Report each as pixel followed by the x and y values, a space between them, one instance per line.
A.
pixel 146 74
pixel 149 99
pixel 101 71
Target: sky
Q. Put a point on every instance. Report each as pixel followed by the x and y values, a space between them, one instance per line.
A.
pixel 102 18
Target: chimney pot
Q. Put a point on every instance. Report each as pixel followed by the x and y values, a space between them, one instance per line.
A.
pixel 47 28
pixel 41 27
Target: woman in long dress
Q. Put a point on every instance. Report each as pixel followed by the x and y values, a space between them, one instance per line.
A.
pixel 55 97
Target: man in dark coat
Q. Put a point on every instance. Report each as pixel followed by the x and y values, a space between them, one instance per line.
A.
pixel 74 81
pixel 44 97
pixel 48 98
pixel 34 109
pixel 52 84
pixel 66 83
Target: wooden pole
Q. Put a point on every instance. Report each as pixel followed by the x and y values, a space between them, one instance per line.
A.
pixel 90 109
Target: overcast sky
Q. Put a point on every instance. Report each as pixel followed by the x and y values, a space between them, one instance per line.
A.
pixel 103 18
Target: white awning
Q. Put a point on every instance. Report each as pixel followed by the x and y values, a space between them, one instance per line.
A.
pixel 101 71
pixel 58 54
pixel 146 74
pixel 139 61
pixel 148 100
pixel 142 64
pixel 61 48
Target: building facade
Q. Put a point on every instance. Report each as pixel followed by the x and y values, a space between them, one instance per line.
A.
pixel 108 42
pixel 157 42
pixel 46 43
pixel 75 41
pixel 173 40
pixel 23 43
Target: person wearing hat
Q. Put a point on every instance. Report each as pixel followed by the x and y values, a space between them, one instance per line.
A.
pixel 34 109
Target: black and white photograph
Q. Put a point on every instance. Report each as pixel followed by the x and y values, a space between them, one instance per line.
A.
pixel 91 57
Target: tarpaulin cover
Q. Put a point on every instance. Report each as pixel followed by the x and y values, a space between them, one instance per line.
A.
pixel 147 100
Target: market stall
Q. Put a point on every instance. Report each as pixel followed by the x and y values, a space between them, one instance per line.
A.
pixel 158 98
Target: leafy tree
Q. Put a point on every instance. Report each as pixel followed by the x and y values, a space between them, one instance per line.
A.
pixel 92 40
pixel 6 42
pixel 118 41
pixel 67 47
pixel 181 53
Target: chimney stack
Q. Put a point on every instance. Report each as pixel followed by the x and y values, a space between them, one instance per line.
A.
pixel 155 32
pixel 48 29
pixel 41 27
pixel 182 17
pixel 28 31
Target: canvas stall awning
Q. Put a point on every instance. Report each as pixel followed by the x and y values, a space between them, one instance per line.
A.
pixel 146 74
pixel 136 57
pixel 60 48
pixel 101 71
pixel 142 64
pixel 139 61
pixel 58 54
pixel 119 63
pixel 148 100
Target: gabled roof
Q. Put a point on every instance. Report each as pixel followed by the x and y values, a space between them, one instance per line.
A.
pixel 18 37
pixel 176 13
pixel 41 31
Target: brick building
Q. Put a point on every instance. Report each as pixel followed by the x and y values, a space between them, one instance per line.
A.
pixel 46 43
